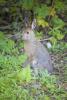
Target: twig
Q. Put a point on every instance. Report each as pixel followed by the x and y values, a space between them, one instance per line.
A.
pixel 45 39
pixel 5 27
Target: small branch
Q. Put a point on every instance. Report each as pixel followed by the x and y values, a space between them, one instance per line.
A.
pixel 5 27
pixel 45 39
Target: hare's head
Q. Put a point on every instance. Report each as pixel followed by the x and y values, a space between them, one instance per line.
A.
pixel 28 35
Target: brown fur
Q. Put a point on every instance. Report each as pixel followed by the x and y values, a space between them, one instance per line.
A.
pixel 36 51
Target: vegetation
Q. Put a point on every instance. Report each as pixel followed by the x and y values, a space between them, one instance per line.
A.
pixel 16 82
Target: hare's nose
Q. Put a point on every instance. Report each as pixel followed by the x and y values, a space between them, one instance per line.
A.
pixel 27 32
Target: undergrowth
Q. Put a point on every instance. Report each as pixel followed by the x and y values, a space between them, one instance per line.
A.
pixel 18 83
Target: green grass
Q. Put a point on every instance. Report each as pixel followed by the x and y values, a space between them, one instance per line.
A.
pixel 17 83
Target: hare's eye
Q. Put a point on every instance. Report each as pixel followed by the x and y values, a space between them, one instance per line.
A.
pixel 27 32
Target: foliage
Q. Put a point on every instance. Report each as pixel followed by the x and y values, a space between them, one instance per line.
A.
pixel 17 82
pixel 47 79
pixel 6 45
pixel 42 22
pixel 11 73
pixel 41 11
pixel 59 5
pixel 24 75
pixel 28 4
pixel 1 35
pixel 52 11
pixel 58 47
pixel 2 1
pixel 56 33
pixel 57 22
pixel 39 35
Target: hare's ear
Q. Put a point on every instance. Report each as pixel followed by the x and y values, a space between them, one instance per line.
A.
pixel 33 24
pixel 26 22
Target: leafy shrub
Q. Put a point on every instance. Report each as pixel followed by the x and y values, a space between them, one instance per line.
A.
pixel 1 35
pixel 59 5
pixel 10 64
pixel 42 22
pixel 58 47
pixel 57 22
pixel 6 45
pixel 56 33
pixel 41 12
pixel 48 80
pixel 12 77
pixel 24 75
pixel 52 11
pixel 2 1
pixel 28 4
pixel 9 89
pixel 39 35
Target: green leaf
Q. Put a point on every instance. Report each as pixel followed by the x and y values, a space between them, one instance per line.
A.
pixel 25 74
pixel 42 22
pixel 59 5
pixel 56 33
pixel 28 4
pixel 57 22
pixel 42 11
